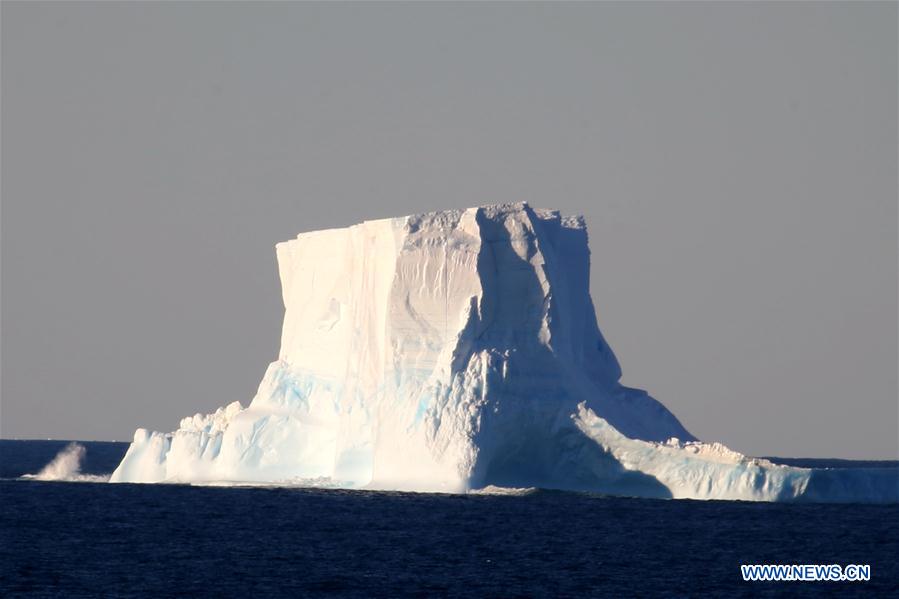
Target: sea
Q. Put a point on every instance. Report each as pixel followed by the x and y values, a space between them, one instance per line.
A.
pixel 82 538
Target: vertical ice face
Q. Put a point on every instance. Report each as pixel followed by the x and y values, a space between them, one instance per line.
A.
pixel 448 351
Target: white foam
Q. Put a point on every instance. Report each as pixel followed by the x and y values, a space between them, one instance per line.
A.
pixel 66 466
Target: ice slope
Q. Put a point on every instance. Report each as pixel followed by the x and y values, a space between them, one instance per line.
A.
pixel 449 351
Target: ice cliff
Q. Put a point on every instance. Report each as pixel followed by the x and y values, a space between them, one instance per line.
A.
pixel 453 351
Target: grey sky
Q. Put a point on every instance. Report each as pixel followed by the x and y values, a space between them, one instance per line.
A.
pixel 736 163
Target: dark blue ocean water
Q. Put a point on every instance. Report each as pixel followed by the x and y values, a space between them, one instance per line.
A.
pixel 70 539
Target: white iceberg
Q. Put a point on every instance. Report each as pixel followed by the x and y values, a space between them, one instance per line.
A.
pixel 455 351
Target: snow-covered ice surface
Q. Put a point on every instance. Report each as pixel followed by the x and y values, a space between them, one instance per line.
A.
pixel 457 351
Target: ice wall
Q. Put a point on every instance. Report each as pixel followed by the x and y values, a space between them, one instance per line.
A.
pixel 446 351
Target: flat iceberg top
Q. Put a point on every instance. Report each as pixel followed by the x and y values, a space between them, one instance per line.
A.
pixel 450 351
pixel 451 217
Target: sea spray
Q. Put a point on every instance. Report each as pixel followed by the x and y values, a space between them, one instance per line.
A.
pixel 66 466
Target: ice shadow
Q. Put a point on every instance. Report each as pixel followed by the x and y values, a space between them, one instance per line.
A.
pixel 525 435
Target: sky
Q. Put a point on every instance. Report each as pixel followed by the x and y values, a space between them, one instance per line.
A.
pixel 736 164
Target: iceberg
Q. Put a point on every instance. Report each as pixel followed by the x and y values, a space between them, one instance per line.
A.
pixel 458 351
